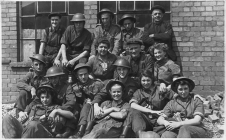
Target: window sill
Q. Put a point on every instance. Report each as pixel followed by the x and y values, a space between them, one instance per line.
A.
pixel 26 64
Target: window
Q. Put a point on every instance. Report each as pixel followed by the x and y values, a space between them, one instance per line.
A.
pixel 139 9
pixel 33 19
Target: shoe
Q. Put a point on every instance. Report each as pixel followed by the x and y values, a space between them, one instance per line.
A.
pixel 80 132
pixel 125 130
pixel 66 134
pixel 89 127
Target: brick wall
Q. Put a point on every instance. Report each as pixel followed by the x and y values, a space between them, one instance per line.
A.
pixel 199 40
pixel 199 43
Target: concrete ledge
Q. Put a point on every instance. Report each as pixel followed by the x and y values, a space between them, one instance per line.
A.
pixel 5 61
pixel 21 64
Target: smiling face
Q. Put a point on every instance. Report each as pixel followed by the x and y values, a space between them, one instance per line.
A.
pixel 83 75
pixel 55 21
pixel 38 65
pixel 157 15
pixel 159 54
pixel 102 49
pixel 116 92
pixel 146 82
pixel 122 72
pixel 46 99
pixel 134 50
pixel 183 91
pixel 128 24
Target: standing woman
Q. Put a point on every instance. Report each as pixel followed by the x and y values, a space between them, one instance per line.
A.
pixel 188 110
pixel 165 70
pixel 147 103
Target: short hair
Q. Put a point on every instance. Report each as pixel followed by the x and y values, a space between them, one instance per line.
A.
pixel 182 82
pixel 147 73
pixel 104 41
pixel 159 46
pixel 116 85
pixel 45 90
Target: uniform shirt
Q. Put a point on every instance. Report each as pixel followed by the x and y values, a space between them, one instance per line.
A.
pixel 112 34
pixel 65 97
pixel 87 90
pixel 103 69
pixel 76 43
pixel 144 62
pixel 152 98
pixel 52 40
pixel 165 69
pixel 112 122
pixel 162 34
pixel 187 109
pixel 130 87
pixel 32 79
pixel 134 33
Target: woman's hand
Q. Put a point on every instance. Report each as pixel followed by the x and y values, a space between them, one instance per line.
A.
pixel 52 116
pixel 23 116
pixel 156 112
pixel 97 111
pixel 43 118
pixel 172 125
pixel 57 62
pixel 64 62
pixel 162 87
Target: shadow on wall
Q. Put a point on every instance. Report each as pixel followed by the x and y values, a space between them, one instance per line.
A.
pixel 176 50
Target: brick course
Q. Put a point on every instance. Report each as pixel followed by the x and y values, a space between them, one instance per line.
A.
pixel 198 28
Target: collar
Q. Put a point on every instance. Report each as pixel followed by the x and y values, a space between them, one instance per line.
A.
pixel 56 29
pixel 89 81
pixel 107 56
pixel 36 74
pixel 188 99
pixel 162 62
pixel 115 104
pixel 106 29
pixel 158 22
pixel 128 32
pixel 138 58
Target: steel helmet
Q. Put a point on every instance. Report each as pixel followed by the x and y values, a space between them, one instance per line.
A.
pixel 105 10
pixel 54 71
pixel 134 41
pixel 38 57
pixel 44 86
pixel 78 17
pixel 121 62
pixel 126 16
pixel 82 65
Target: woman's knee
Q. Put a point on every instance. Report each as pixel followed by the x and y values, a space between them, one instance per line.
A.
pixel 169 134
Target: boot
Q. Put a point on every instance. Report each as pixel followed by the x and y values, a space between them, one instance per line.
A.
pixel 89 127
pixel 66 134
pixel 138 133
pixel 125 130
pixel 80 132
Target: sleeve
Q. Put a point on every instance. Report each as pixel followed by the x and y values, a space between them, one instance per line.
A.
pixel 105 104
pixel 70 99
pixel 167 35
pixel 90 63
pixel 126 106
pixel 95 37
pixel 32 112
pixel 149 63
pixel 44 36
pixel 167 111
pixel 148 41
pixel 23 84
pixel 136 97
pixel 199 108
pixel 175 69
pixel 88 42
pixel 98 86
pixel 170 94
pixel 103 95
pixel 65 37
pixel 117 48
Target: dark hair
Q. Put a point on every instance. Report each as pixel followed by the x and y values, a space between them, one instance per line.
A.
pixel 104 41
pixel 45 90
pixel 182 82
pixel 159 46
pixel 147 73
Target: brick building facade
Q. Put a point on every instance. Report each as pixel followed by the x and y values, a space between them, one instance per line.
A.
pixel 199 43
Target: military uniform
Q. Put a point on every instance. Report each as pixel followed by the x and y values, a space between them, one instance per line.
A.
pixel 188 110
pixel 165 70
pixel 112 34
pixel 102 70
pixel 125 36
pixel 85 93
pixel 51 38
pixel 154 100
pixel 105 124
pixel 162 34
pixel 32 79
pixel 76 43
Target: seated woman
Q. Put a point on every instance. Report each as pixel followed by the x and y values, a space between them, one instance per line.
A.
pixel 113 114
pixel 102 63
pixel 39 124
pixel 182 116
pixel 165 70
pixel 147 103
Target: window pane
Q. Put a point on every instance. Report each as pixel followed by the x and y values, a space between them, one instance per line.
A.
pixel 76 7
pixel 58 6
pixel 164 4
pixel 166 17
pixel 28 49
pixel 126 5
pixel 142 5
pixel 44 7
pixel 28 27
pixel 27 8
pixel 42 22
pixel 142 19
pixel 111 5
